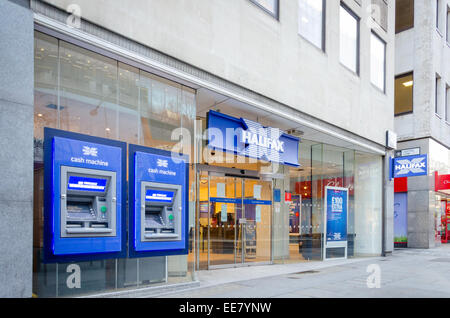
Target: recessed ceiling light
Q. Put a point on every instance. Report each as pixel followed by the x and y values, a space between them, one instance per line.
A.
pixel 40 115
pixel 408 84
pixel 108 129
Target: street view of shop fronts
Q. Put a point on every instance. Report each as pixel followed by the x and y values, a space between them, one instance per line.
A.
pixel 422 122
pixel 221 159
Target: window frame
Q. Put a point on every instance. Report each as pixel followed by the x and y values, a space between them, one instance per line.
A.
pixel 412 99
pixel 447 104
pixel 447 25
pixel 324 18
pixel 275 15
pixel 437 85
pixel 397 31
pixel 438 21
pixel 384 62
pixel 379 23
pixel 358 39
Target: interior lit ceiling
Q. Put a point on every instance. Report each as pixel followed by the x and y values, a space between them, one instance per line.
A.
pixel 208 100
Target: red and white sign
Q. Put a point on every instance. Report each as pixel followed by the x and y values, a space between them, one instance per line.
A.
pixel 441 182
pixel 287 196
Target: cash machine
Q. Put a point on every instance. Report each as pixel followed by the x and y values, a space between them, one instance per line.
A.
pixel 158 214
pixel 160 211
pixel 88 202
pixel 84 187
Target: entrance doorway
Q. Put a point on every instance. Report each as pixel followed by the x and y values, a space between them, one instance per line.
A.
pixel 234 220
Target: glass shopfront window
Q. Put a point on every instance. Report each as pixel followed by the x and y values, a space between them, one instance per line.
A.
pixel 439 161
pixel 260 212
pixel 81 91
pixel 329 166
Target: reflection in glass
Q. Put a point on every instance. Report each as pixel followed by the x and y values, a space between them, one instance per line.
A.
pixel 310 24
pixel 377 61
pixel 349 50
pixel 81 91
pixel 88 90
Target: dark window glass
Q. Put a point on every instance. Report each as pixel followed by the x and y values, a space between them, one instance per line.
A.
pixel 404 15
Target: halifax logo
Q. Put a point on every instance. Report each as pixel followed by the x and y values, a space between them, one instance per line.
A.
pixel 410 166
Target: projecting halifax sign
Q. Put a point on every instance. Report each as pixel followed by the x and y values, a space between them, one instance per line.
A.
pixel 411 166
pixel 250 139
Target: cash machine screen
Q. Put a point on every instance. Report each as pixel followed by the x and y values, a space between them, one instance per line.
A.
pixel 86 184
pixel 88 203
pixel 159 196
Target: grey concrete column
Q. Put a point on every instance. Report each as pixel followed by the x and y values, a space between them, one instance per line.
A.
pixel 16 144
pixel 420 209
pixel 388 207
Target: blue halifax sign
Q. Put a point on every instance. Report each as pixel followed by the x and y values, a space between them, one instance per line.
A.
pixel 250 139
pixel 410 166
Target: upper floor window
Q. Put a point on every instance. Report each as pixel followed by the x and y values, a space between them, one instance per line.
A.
pixel 380 13
pixel 447 104
pixel 448 24
pixel 377 61
pixel 349 39
pixel 404 85
pixel 404 15
pixel 270 6
pixel 438 95
pixel 438 12
pixel 311 21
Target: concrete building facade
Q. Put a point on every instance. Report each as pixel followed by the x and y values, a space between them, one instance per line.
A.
pixel 139 71
pixel 422 119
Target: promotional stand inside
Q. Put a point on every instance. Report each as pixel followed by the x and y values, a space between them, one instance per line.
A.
pixel 335 223
pixel 84 190
pixel 158 202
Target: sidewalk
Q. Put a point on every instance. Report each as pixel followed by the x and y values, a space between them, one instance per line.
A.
pixel 407 273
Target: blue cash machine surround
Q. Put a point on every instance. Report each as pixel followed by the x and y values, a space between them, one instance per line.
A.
pixel 66 150
pixel 159 168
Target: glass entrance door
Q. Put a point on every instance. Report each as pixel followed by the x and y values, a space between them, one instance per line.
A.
pixel 225 209
pixel 257 221
pixel 237 230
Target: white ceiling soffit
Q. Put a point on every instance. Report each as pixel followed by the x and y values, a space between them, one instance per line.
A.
pixel 208 100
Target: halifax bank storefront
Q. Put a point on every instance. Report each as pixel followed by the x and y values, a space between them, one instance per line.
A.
pixel 142 178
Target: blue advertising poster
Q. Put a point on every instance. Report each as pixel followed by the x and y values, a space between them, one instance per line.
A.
pixel 336 214
pixel 401 219
pixel 410 166
pixel 250 139
pixel 276 195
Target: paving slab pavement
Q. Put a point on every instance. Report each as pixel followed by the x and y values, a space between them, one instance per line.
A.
pixel 406 273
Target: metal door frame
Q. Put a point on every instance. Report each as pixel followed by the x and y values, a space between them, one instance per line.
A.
pixel 237 174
